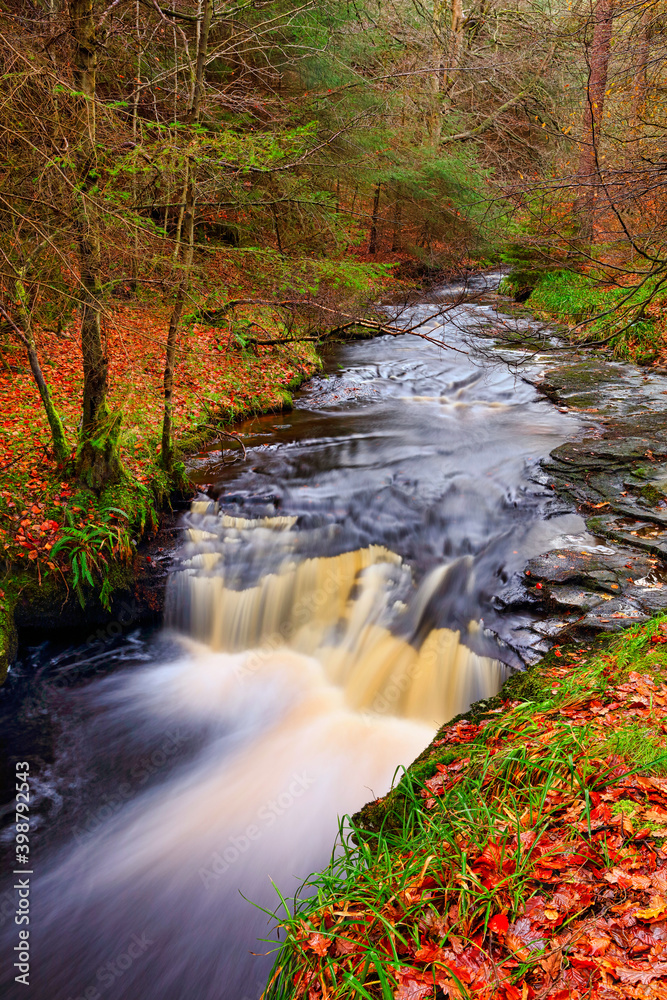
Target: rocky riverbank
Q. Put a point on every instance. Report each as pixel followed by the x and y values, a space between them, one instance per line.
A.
pixel 614 473
pixel 522 853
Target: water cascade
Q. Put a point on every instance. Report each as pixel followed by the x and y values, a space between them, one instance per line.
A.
pixel 325 614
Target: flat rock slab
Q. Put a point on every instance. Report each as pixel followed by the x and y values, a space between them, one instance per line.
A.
pixel 592 453
pixel 611 388
pixel 614 616
pixel 601 571
pixel 596 591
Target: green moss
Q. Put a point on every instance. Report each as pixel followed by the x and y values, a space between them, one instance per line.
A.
pixel 651 494
pixel 8 641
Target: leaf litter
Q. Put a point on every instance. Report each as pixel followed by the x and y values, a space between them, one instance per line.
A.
pixel 530 864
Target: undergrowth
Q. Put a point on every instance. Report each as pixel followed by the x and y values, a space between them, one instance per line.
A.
pixel 441 889
pixel 600 311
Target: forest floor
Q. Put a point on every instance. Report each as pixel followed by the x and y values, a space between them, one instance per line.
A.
pixel 523 856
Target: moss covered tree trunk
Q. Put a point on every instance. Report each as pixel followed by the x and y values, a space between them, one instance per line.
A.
pixel 97 458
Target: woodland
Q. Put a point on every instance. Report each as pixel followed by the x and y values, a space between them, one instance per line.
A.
pixel 194 196
pixel 264 169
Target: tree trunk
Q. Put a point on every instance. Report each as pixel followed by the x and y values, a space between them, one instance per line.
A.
pixel 135 134
pixel 373 241
pixel 455 45
pixel 97 460
pixel 588 174
pixel 23 330
pixel 189 239
pixel 396 236
pixel 181 212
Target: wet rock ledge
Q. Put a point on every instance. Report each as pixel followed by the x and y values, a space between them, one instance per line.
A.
pixel 616 477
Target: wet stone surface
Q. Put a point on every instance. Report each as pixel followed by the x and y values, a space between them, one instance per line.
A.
pixel 616 475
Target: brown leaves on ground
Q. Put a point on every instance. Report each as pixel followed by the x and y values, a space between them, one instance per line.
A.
pixel 572 903
pixel 214 380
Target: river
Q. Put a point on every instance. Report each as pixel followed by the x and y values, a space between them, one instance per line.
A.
pixel 331 603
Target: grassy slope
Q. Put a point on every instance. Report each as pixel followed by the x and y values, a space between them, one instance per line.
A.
pixel 520 857
pixel 603 309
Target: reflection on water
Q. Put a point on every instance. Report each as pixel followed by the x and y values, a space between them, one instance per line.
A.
pixel 332 605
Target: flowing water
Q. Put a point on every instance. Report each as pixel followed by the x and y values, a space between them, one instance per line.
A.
pixel 331 605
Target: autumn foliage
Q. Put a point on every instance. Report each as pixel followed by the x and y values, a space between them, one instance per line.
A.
pixel 530 864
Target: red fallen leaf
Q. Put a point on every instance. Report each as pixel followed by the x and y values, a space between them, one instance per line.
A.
pixel 546 874
pixel 623 879
pixel 643 974
pixel 429 953
pixel 523 938
pixel 499 924
pixel 413 985
pixel 319 943
pixel 449 972
pixel 346 946
pixel 599 944
pixel 582 962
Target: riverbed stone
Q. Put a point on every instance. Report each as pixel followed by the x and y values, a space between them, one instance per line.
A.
pixel 616 475
pixel 614 616
pixel 568 596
